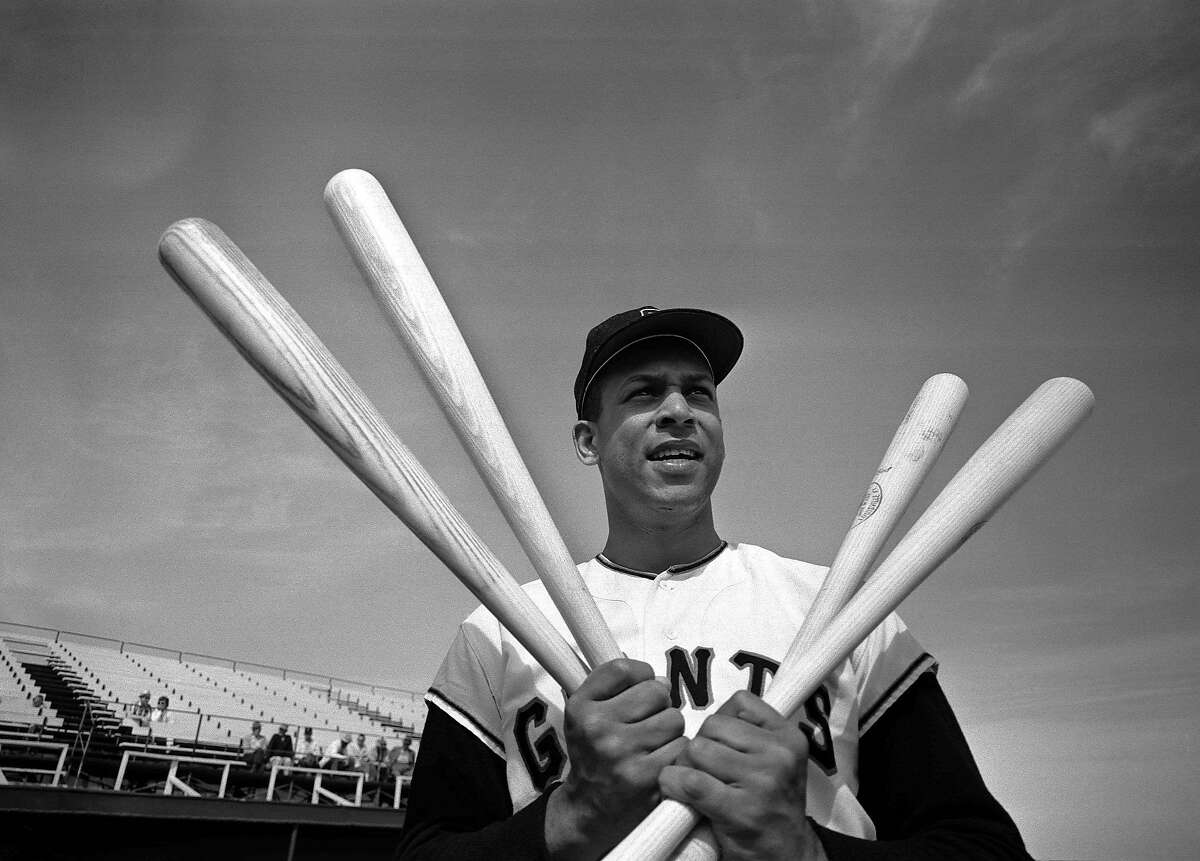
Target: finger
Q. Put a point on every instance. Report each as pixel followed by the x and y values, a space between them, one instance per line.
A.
pixel 769 742
pixel 638 738
pixel 667 755
pixel 734 733
pixel 730 766
pixel 658 729
pixel 750 708
pixel 702 791
pixel 640 702
pixel 643 770
pixel 611 678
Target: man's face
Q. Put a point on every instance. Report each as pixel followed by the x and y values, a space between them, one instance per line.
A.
pixel 283 729
pixel 658 440
pixel 256 728
pixel 362 739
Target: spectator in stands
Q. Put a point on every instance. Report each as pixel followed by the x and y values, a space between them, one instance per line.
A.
pixel 400 763
pixel 400 759
pixel 162 711
pixel 377 760
pixel 141 709
pixel 254 747
pixel 358 753
pixel 159 718
pixel 308 752
pixel 337 755
pixel 279 747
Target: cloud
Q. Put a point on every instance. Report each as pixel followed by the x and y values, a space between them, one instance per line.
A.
pixel 1153 134
pixel 892 34
pixel 1089 96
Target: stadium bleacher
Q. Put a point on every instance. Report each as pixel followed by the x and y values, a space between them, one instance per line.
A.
pixel 59 688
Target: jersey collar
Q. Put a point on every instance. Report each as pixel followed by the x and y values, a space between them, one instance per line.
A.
pixel 673 569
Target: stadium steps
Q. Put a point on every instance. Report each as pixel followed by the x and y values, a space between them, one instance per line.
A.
pixel 87 725
pixel 376 716
pixel 68 697
pixel 17 691
pixel 403 714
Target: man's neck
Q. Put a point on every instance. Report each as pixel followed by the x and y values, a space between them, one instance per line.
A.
pixel 659 547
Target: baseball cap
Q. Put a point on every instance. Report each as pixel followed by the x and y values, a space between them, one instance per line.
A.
pixel 717 339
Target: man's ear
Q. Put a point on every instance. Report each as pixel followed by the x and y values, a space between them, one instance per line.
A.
pixel 584 434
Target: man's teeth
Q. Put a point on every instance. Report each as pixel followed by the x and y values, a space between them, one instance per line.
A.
pixel 674 453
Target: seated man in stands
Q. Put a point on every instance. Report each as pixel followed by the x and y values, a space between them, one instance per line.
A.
pixel 337 755
pixel 400 759
pixel 279 747
pixel 140 712
pixel 254 747
pixel 359 753
pixel 400 763
pixel 308 752
pixel 377 760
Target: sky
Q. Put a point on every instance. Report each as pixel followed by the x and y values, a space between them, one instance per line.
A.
pixel 874 190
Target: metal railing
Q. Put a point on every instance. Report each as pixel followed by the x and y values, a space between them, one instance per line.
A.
pixel 29 744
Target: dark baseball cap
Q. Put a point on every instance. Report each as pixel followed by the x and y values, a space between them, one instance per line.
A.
pixel 717 339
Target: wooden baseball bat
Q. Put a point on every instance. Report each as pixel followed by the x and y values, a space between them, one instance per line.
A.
pixel 273 338
pixel 404 288
pixel 1022 443
pixel 911 454
pixel 906 462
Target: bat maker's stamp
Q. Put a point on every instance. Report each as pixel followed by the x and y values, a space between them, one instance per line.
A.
pixel 870 503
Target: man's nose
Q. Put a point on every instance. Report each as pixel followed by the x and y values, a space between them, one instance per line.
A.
pixel 674 408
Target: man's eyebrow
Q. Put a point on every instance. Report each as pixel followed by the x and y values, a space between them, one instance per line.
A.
pixel 647 377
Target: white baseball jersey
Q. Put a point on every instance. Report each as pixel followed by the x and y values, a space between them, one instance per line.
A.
pixel 713 627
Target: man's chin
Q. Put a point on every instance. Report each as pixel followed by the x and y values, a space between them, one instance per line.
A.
pixel 681 498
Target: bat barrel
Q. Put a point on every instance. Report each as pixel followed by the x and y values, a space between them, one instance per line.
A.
pixel 273 338
pixel 906 462
pixel 1022 443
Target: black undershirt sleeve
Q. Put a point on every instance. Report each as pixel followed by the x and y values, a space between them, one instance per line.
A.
pixel 917 781
pixel 459 804
pixel 919 784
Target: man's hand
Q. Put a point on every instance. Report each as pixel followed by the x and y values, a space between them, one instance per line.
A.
pixel 746 772
pixel 621 731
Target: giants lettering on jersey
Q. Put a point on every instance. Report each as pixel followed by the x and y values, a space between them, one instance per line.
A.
pixel 542 751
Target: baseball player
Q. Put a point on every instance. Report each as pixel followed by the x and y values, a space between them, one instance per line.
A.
pixel 873 766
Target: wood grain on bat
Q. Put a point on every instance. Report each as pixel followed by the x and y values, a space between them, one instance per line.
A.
pixel 402 284
pixel 277 342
